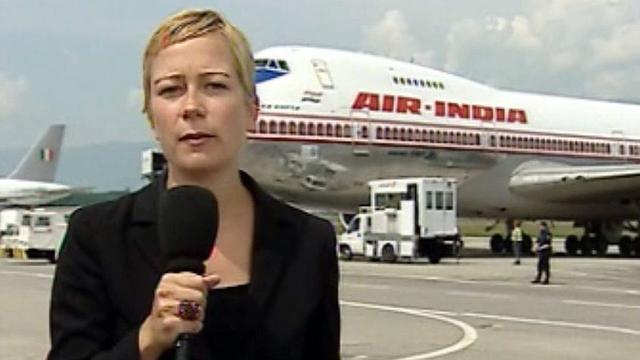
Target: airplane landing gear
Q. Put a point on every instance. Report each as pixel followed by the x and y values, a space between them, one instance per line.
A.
pixel 571 245
pixel 502 244
pixel 596 239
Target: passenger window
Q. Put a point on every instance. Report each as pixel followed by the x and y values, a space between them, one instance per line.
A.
pixel 429 200
pixel 26 220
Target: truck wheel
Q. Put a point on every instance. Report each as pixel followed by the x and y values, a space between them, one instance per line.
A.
pixel 625 246
pixel 496 243
pixel 345 252
pixel 388 254
pixel 435 252
pixel 50 256
pixel 571 245
pixel 527 244
pixel 636 246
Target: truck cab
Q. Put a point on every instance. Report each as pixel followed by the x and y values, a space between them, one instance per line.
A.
pixel 351 241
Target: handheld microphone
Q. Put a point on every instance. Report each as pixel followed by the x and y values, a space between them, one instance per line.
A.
pixel 187 225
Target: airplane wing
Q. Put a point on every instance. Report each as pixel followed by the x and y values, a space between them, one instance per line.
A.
pixel 556 182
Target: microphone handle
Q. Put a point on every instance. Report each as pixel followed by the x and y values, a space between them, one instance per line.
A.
pixel 183 347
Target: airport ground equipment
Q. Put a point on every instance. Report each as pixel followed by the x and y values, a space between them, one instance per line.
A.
pixel 31 234
pixel 153 163
pixel 408 218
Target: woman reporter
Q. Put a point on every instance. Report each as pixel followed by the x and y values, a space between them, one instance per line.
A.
pixel 270 288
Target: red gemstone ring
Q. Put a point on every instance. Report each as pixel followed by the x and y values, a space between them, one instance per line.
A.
pixel 188 310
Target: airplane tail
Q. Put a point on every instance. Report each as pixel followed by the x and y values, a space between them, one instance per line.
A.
pixel 41 161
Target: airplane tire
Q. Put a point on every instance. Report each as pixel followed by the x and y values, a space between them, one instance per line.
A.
pixel 636 246
pixel 496 243
pixel 625 246
pixel 345 252
pixel 601 245
pixel 586 246
pixel 571 245
pixel 508 245
pixel 527 244
pixel 388 254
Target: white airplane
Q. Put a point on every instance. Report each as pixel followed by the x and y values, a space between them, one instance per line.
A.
pixel 31 183
pixel 331 120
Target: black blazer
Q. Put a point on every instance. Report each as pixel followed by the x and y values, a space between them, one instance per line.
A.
pixel 111 262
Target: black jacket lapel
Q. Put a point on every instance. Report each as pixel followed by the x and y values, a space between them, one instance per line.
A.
pixel 143 228
pixel 272 246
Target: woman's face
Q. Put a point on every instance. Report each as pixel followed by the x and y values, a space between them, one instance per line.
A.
pixel 198 109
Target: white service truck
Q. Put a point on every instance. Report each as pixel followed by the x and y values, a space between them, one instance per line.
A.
pixel 36 233
pixel 408 218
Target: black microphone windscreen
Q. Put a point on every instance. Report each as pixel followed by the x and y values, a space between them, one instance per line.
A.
pixel 187 226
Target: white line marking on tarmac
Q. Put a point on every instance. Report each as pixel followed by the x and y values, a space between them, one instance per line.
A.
pixel 480 294
pixel 590 303
pixel 555 323
pixel 23 273
pixel 493 283
pixel 505 318
pixel 366 286
pixel 410 277
pixel 608 289
pixel 469 333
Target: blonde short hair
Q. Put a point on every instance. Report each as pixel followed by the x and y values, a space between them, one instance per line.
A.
pixel 191 24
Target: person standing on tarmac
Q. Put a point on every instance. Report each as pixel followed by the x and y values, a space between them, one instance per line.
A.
pixel 543 248
pixel 516 238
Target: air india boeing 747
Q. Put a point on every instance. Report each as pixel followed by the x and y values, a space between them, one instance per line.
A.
pixel 331 120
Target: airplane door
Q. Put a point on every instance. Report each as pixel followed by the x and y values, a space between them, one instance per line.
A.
pixel 322 73
pixel 361 132
pixel 620 146
pixel 488 138
pixel 412 192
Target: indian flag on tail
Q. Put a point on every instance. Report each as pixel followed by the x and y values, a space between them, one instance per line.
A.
pixel 46 154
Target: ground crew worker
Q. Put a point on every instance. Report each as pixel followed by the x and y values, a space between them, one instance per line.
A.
pixel 516 239
pixel 543 248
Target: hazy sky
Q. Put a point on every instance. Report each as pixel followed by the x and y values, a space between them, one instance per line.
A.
pixel 78 61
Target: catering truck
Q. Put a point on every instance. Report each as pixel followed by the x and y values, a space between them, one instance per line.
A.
pixel 408 218
pixel 36 233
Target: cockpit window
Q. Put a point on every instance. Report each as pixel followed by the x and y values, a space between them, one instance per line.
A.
pixel 271 64
pixel 283 65
pixel 268 69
